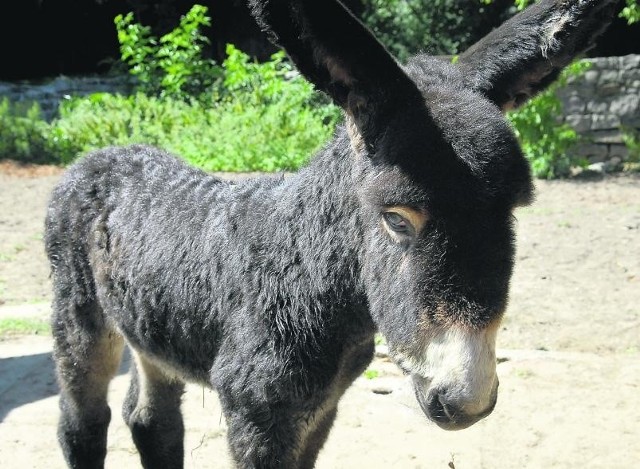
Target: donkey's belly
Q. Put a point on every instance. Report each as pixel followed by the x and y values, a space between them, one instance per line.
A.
pixel 182 343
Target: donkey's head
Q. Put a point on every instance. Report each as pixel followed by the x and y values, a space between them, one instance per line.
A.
pixel 439 174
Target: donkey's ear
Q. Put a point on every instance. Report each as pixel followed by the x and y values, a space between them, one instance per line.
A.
pixel 526 53
pixel 339 55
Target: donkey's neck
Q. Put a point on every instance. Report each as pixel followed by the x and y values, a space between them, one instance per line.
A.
pixel 303 234
pixel 316 219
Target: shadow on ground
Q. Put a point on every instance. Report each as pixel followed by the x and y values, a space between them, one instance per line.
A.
pixel 22 378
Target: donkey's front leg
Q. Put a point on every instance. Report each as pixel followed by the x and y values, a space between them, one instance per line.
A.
pixel 284 423
pixel 263 435
pixel 316 435
pixel 353 362
pixel 273 433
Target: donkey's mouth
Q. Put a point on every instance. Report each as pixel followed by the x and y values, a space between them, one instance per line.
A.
pixel 446 411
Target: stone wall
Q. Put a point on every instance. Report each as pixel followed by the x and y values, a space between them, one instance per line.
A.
pixel 602 104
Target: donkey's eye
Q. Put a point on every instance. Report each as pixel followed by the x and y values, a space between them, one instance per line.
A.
pixel 396 222
pixel 402 222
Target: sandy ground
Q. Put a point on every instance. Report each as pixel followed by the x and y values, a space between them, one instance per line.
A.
pixel 569 352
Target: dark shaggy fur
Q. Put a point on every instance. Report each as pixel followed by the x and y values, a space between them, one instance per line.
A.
pixel 270 290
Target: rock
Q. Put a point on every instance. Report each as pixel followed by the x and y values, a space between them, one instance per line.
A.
pixel 597 107
pixel 630 62
pixel 382 351
pixel 579 123
pixel 592 151
pixel 604 121
pixel 619 151
pixel 625 105
pixel 575 105
pixel 607 136
pixel 597 167
pixel 614 164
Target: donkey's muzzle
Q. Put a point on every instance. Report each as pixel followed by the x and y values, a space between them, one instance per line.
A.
pixel 445 410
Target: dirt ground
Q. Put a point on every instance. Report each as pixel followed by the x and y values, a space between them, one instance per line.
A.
pixel 569 352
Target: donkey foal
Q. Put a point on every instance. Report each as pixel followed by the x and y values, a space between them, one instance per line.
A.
pixel 270 290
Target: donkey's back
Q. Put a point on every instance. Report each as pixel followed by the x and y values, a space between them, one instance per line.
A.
pixel 140 244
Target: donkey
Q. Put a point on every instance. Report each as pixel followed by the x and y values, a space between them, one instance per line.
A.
pixel 270 290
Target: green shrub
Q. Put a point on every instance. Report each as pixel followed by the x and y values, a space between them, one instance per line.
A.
pixel 257 117
pixel 439 27
pixel 631 12
pixel 173 65
pixel 631 139
pixel 23 133
pixel 268 118
pixel 103 119
pixel 545 141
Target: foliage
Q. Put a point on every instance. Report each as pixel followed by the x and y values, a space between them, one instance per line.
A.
pixel 103 119
pixel 241 116
pixel 370 373
pixel 522 4
pixel 173 65
pixel 440 27
pixel 545 141
pixel 631 139
pixel 23 326
pixel 23 133
pixel 268 118
pixel 631 12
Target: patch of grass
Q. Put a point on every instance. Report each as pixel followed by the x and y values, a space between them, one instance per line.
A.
pixel 379 339
pixel 36 300
pixel 241 115
pixel 11 256
pixel 24 326
pixel 371 374
pixel 524 373
pixel 6 257
pixel 631 138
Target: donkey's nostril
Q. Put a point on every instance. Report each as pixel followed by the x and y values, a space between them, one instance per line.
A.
pixel 439 410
